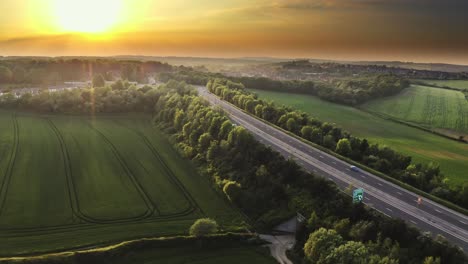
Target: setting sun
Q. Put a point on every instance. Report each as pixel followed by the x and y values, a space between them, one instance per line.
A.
pixel 87 16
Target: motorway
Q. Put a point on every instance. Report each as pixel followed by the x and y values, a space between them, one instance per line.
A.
pixel 386 197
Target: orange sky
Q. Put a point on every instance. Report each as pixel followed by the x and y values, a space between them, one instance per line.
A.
pixel 408 30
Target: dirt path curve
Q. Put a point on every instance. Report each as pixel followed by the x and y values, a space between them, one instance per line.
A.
pixel 279 245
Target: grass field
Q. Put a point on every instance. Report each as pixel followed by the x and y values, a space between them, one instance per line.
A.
pixel 422 146
pixel 426 106
pixel 196 256
pixel 71 181
pixel 229 253
pixel 459 84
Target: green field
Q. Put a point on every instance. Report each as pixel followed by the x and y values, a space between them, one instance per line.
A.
pixel 200 256
pixel 422 146
pixel 71 181
pixel 229 253
pixel 426 106
pixel 459 84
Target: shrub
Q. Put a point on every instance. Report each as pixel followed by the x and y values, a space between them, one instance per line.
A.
pixel 203 227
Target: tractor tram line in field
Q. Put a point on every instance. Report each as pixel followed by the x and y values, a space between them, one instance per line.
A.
pixel 193 206
pixel 11 163
pixel 68 173
pixel 152 214
pixel 151 207
pixel 192 203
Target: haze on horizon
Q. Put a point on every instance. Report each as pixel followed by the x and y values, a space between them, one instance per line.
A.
pixel 405 30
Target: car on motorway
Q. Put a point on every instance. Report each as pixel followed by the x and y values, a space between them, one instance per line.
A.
pixel 354 168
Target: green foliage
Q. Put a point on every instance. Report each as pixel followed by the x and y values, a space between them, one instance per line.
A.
pixel 233 191
pixel 203 227
pixel 6 75
pixel 320 244
pixel 431 260
pixel 204 141
pixel 343 147
pixel 351 253
pixel 48 71
pixel 98 81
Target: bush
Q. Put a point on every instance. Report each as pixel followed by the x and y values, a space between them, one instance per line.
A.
pixel 203 227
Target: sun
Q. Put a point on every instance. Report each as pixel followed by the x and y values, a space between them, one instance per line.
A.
pixel 87 16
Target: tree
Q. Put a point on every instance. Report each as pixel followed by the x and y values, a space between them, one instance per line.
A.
pixel 98 81
pixel 204 141
pixel 329 142
pixel 239 137
pixel 5 74
pixel 226 127
pixel 232 190
pixel 316 136
pixel 431 260
pixel 291 125
pixel 203 227
pixel 313 222
pixel 343 147
pixel 320 244
pixel 306 132
pixel 259 110
pixel 118 85
pixel 179 118
pixel 350 253
pixel 362 230
pixel 342 227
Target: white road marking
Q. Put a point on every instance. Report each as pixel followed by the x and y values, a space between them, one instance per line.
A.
pixel 334 162
pixel 362 176
pixel 321 156
pixel 367 198
pixel 399 193
pixel 437 210
pixel 413 222
pixel 463 222
pixel 379 184
pixel 388 209
pixel 348 169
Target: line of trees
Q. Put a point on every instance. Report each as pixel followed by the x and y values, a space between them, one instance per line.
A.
pixel 349 91
pixel 270 189
pixel 47 71
pixel 426 177
pixel 265 186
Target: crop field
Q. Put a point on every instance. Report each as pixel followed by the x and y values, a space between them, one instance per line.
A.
pixel 427 106
pixel 421 145
pixel 459 84
pixel 71 181
pixel 200 256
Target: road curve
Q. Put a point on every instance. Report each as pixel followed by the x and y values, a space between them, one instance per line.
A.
pixel 386 197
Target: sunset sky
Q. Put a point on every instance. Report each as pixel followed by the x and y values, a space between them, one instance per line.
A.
pixel 408 30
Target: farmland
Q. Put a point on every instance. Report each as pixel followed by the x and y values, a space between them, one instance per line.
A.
pixel 195 255
pixel 458 84
pixel 75 181
pixel 422 146
pixel 426 106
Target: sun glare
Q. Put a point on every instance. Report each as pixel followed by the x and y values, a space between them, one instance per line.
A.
pixel 87 16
